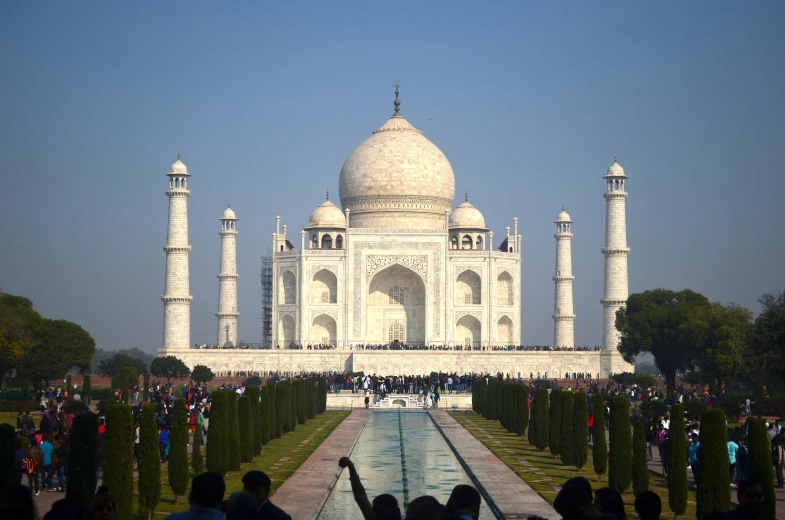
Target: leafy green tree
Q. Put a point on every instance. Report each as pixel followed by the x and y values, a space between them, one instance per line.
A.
pixel 677 465
pixel 245 415
pixel 541 423
pixel 768 341
pixel 640 460
pixel 8 464
pixel 146 388
pixel 218 444
pixel 760 469
pixel 620 467
pixel 149 463
pixel 599 448
pixel 235 456
pixel 169 367
pixel 652 322
pixel 264 410
pixel 83 459
pixel 118 453
pixel 566 439
pixel 129 379
pixel 59 345
pixel 120 360
pixel 580 431
pixel 178 450
pixel 554 417
pixel 322 394
pixel 202 374
pixel 713 492
pixel 19 325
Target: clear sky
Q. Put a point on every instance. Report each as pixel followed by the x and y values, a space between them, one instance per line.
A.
pixel 528 100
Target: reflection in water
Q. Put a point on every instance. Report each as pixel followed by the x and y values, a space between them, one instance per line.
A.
pixel 431 467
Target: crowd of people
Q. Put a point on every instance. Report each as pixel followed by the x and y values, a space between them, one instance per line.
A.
pixel 401 346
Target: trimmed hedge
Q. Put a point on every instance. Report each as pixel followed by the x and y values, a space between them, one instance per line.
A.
pixel 253 394
pixel 119 457
pixel 580 430
pixel 149 463
pixel 640 460
pixel 86 389
pixel 146 389
pixel 281 408
pixel 523 409
pixel 540 415
pixel 264 407
pixel 620 467
pixel 599 448
pixel 272 413
pixel 677 465
pixel 713 485
pixel 246 420
pixel 760 464
pixel 566 433
pixel 322 394
pixel 197 458
pixel 83 459
pixel 234 433
pixel 218 435
pixel 554 418
pixel 178 450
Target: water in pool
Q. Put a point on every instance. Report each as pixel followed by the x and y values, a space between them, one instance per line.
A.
pixel 431 466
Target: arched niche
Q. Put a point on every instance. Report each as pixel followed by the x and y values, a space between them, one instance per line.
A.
pixel 395 294
pixel 504 289
pixel 324 287
pixel 504 331
pixel 286 330
pixel 468 331
pixel 468 288
pixel 323 330
pixel 288 292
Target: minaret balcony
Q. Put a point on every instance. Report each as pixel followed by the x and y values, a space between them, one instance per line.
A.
pixel 563 278
pixel 227 314
pixel 615 251
pixel 616 194
pixel 178 192
pixel 177 299
pixel 563 317
pixel 177 249
pixel 611 303
pixel 228 276
pixel 562 234
pixel 227 232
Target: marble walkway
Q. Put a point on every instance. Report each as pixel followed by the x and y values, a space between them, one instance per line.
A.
pixel 511 495
pixel 304 493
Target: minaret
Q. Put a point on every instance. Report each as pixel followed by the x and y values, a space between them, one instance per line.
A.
pixel 563 317
pixel 615 251
pixel 227 281
pixel 176 298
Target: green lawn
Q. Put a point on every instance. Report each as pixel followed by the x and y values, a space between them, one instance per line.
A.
pixel 289 445
pixel 543 472
pixel 8 418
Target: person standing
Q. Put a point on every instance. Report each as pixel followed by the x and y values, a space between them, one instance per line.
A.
pixel 733 450
pixel 367 398
pixel 33 462
pixel 47 449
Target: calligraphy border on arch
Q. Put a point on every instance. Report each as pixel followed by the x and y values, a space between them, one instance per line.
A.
pixel 318 267
pixel 435 247
pixel 418 263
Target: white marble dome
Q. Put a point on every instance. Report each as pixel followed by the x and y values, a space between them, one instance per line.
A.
pixel 178 167
pixel 615 170
pixel 228 214
pixel 563 217
pixel 327 215
pixel 467 216
pixel 397 179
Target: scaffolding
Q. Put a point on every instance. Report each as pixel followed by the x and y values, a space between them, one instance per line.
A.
pixel 267 300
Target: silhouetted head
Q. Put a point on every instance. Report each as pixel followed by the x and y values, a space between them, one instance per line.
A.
pixel 18 503
pixel 464 499
pixel 572 503
pixel 424 508
pixel 241 505
pixel 207 490
pixel 608 500
pixel 750 498
pixel 385 507
pixel 582 484
pixel 67 509
pixel 258 484
pixel 648 505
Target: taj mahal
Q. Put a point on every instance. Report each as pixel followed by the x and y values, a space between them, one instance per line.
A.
pixel 396 280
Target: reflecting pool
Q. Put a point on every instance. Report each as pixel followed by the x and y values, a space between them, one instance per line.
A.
pixel 431 467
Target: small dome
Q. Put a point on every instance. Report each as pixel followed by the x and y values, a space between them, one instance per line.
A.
pixel 563 217
pixel 228 214
pixel 178 167
pixel 327 215
pixel 467 216
pixel 615 170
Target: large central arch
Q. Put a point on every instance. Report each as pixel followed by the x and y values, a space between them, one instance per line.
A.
pixel 396 298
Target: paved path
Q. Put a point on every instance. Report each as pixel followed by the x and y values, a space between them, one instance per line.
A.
pixel 304 493
pixel 513 496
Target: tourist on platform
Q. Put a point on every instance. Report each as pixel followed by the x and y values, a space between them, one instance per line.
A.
pixel 367 398
pixel 258 484
pixel 749 496
pixel 425 508
pixel 464 503
pixel 241 505
pixel 648 505
pixel 207 494
pixel 384 507
pixel 609 501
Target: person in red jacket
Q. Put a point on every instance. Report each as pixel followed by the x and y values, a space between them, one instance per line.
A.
pixel 591 425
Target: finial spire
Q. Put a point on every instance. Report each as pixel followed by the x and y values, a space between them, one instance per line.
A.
pixel 328 195
pixel 562 207
pixel 178 156
pixel 397 101
pixel 614 158
pixel 466 196
pixel 228 204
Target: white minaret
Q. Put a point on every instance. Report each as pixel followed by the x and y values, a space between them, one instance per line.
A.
pixel 176 298
pixel 227 281
pixel 615 251
pixel 563 317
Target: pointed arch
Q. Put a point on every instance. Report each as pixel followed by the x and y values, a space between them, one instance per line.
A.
pixel 323 330
pixel 504 289
pixel 288 291
pixel 286 330
pixel 395 294
pixel 468 288
pixel 324 287
pixel 468 331
pixel 504 331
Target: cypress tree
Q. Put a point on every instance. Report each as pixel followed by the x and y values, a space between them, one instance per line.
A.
pixel 69 387
pixel 501 411
pixel 302 405
pixel 554 419
pixel 253 394
pixel 281 407
pixel 8 465
pixel 131 380
pixel 245 414
pixel 677 465
pixel 83 459
pixel 149 463
pixel 310 392
pixel 541 423
pixel 322 394
pixel 218 441
pixel 512 421
pixel 533 421
pixel 760 469
pixel 234 433
pixel 490 403
pixel 272 413
pixel 599 449
pixel 86 389
pixel 580 431
pixel 146 389
pixel 566 439
pixel 294 390
pixel 640 461
pixel 178 450
pixel 713 485
pixel 478 394
pixel 264 404
pixel 119 456
pixel 620 467
pixel 197 458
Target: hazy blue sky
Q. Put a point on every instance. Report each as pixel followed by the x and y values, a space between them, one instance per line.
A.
pixel 528 100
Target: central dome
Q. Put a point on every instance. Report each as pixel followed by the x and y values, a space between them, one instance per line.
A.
pixel 397 179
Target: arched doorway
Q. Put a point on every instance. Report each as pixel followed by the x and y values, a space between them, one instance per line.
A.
pixel 468 331
pixel 395 304
pixel 324 287
pixel 323 330
pixel 504 289
pixel 288 294
pixel 468 288
pixel 504 331
pixel 286 331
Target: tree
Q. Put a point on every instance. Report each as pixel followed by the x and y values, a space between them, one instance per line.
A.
pixel 19 324
pixel 554 428
pixel 149 463
pixel 769 334
pixel 478 394
pixel 114 365
pixel 245 416
pixel 218 446
pixel 264 410
pixel 234 433
pixel 302 401
pixel 202 374
pixel 490 403
pixel 652 322
pixel 129 379
pixel 169 367
pixel 272 413
pixel 566 439
pixel 721 335
pixel 59 345
pixel 8 464
pixel 281 408
pixel 322 394
pixel 713 492
pixel 146 388
pixel 760 464
pixel 541 423
pixel 292 417
pixel 640 460
pixel 253 396
pixel 599 448
pixel 312 401
pixel 620 467
pixel 86 388
pixel 512 409
pixel 83 459
pixel 580 435
pixel 522 397
pixel 197 458
pixel 178 450
pixel 677 464
pixel 531 435
pixel 118 454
